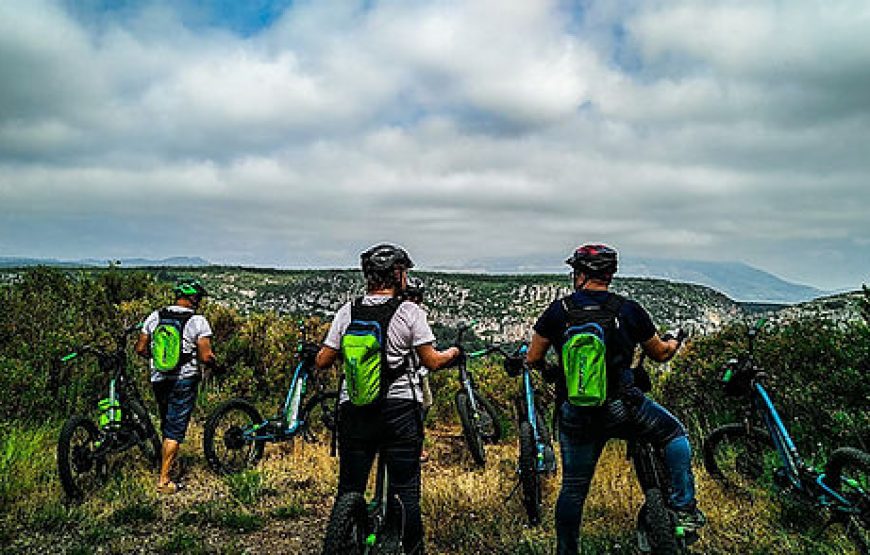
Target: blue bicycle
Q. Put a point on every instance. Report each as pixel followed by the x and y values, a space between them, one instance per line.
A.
pixel 536 456
pixel 235 435
pixel 741 454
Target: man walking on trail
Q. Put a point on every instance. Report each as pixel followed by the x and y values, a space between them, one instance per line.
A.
pixel 596 398
pixel 379 409
pixel 177 341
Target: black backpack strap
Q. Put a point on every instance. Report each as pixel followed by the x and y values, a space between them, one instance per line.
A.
pixel 614 303
pixel 382 314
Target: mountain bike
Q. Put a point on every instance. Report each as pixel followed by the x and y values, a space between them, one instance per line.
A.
pixel 481 421
pixel 742 454
pixel 657 528
pixel 235 435
pixel 536 455
pixel 357 527
pixel 84 446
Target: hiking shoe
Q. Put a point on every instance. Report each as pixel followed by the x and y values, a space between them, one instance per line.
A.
pixel 690 521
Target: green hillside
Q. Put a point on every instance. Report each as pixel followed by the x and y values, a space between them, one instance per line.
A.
pixel 818 369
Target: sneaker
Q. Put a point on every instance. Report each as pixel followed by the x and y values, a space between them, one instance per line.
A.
pixel 690 520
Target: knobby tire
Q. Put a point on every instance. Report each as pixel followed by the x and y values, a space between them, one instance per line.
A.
pixel 659 526
pixel 230 437
pixel 848 472
pixel 472 435
pixel 530 480
pixel 149 440
pixel 348 526
pixel 71 459
pixel 750 447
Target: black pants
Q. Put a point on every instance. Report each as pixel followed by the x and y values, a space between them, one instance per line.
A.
pixel 393 428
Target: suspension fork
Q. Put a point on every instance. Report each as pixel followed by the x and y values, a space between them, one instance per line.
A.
pixel 293 401
pixel 468 386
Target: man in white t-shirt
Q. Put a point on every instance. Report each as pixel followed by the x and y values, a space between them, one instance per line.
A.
pixel 392 424
pixel 176 382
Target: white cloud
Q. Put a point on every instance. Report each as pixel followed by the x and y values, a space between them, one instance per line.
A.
pixel 715 130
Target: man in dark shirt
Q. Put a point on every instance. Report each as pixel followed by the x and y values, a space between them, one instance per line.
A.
pixel 627 412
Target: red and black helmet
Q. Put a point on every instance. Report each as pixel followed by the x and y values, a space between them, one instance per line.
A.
pixel 594 260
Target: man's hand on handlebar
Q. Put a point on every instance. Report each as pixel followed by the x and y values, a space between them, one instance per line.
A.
pixel 308 352
pixel 458 357
pixel 679 334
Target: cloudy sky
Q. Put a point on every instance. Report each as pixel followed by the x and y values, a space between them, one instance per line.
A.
pixel 297 133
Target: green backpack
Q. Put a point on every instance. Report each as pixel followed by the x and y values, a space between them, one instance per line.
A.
pixel 585 354
pixel 167 341
pixel 364 351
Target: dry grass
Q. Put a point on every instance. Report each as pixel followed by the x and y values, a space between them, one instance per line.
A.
pixel 283 506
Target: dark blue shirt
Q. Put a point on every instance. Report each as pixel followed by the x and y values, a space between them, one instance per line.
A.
pixel 634 321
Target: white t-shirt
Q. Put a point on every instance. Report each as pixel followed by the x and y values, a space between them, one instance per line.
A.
pixel 195 328
pixel 407 330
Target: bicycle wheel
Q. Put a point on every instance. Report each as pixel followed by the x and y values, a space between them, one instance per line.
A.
pixel 848 472
pixel 655 520
pixel 347 529
pixel 470 428
pixel 320 415
pixel 149 441
pixel 80 468
pixel 530 480
pixel 490 424
pixel 226 448
pixel 739 458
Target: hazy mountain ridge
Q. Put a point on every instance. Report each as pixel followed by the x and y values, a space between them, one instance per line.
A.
pixel 739 281
pixel 173 261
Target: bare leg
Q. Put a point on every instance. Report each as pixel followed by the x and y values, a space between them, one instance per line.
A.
pixel 170 451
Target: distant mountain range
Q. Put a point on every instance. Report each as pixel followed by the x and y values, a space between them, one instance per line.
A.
pixel 175 261
pixel 739 281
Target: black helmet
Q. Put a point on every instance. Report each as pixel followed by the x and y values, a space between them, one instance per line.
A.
pixel 594 260
pixel 414 289
pixel 384 258
pixel 187 287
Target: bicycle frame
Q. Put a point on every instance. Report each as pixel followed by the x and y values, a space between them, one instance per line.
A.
pixel 782 441
pixel 120 388
pixel 531 415
pixel 799 475
pixel 467 381
pixel 289 415
pixel 377 508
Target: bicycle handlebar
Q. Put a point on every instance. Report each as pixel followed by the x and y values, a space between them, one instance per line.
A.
pixel 461 331
pixel 89 349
